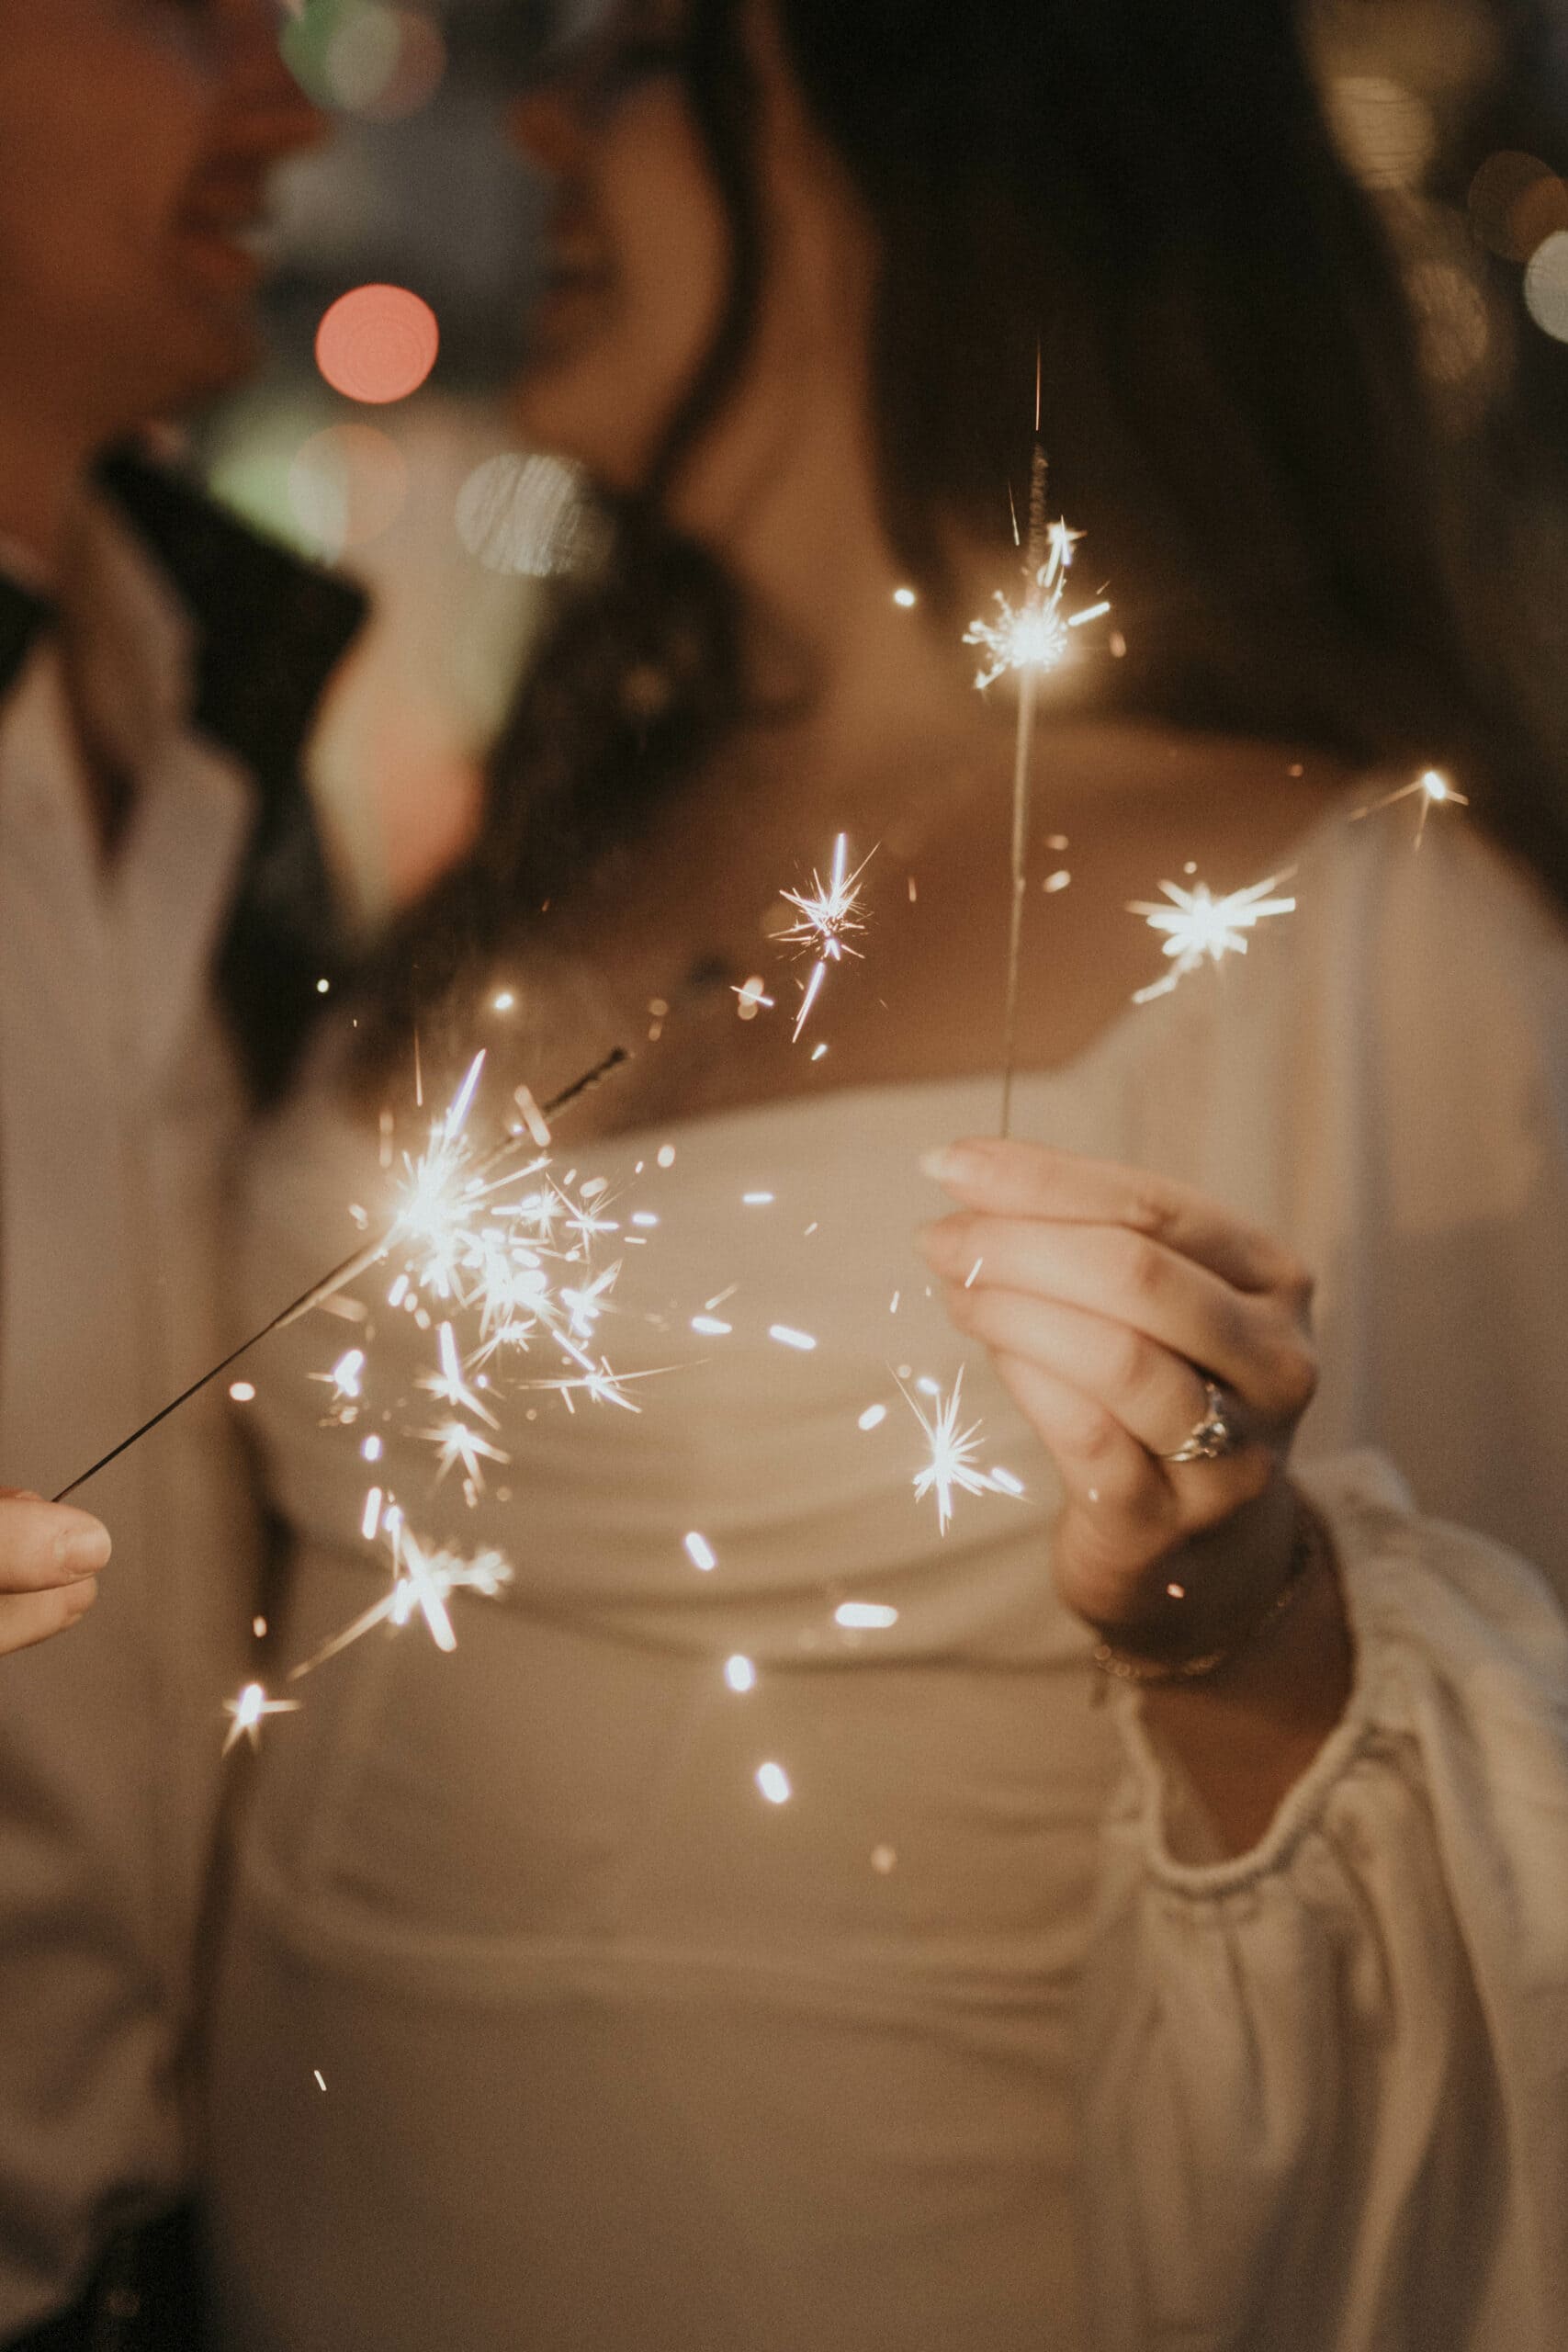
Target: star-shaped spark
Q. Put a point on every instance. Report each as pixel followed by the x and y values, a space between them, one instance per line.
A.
pixel 247 1713
pixel 826 912
pixel 449 1385
pixel 951 1466
pixel 1199 928
pixel 1435 792
pixel 1036 635
pixel 424 1578
pixel 455 1442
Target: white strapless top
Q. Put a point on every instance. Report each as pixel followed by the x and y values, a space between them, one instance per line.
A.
pixel 628 2046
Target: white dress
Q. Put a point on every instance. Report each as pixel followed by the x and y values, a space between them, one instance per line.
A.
pixel 541 2027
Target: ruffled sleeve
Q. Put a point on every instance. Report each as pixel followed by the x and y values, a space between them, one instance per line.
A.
pixel 1326 2099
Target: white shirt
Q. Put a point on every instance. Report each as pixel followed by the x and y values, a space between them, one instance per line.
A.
pixel 118 1105
pixel 613 2050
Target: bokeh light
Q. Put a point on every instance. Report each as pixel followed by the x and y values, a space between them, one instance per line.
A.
pixel 1517 201
pixel 1385 131
pixel 378 343
pixel 365 58
pixel 1546 286
pixel 526 515
pixel 346 486
pixel 385 62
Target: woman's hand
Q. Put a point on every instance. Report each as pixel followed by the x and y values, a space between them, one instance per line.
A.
pixel 1108 1300
pixel 49 1559
pixel 1099 1291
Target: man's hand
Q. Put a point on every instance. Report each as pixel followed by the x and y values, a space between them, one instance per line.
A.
pixel 49 1559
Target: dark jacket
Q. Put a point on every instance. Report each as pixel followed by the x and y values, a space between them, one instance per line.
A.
pixel 269 632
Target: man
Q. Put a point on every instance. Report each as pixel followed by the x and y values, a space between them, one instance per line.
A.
pixel 162 921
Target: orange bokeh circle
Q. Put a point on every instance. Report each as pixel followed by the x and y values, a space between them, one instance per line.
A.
pixel 378 343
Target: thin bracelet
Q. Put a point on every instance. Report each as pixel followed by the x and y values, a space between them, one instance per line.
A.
pixel 1311 1546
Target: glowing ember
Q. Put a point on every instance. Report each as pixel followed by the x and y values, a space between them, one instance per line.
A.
pixel 1434 790
pixel 247 1713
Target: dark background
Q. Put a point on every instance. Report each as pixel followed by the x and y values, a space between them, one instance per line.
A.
pixel 420 187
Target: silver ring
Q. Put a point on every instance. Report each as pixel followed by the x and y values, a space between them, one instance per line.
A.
pixel 1212 1436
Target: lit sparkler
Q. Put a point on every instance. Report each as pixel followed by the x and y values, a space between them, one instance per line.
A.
pixel 1029 641
pixel 351 1269
pixel 826 912
pixel 1435 792
pixel 1201 929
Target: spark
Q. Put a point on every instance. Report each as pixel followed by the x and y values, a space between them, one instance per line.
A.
pixel 449 1385
pixel 864 1616
pixel 787 1338
pixel 754 997
pixel 711 1328
pixel 423 1577
pixel 739 1673
pixel 455 1441
pixel 773 1782
pixel 534 1118
pixel 347 1377
pixel 1435 790
pixel 873 1417
pixel 701 1554
pixel 951 1467
pixel 371 1519
pixel 247 1711
pixel 826 912
pixel 1198 927
pixel 243 1392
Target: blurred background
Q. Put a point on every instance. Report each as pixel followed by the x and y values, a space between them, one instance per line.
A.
pixel 377 436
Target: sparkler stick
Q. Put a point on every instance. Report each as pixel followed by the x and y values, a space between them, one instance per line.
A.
pixel 341 1276
pixel 1022 796
pixel 1031 640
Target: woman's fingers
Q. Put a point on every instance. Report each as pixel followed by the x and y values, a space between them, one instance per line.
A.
pixel 1251 1341
pixel 49 1559
pixel 29 1617
pixel 1154 1396
pixel 1026 1179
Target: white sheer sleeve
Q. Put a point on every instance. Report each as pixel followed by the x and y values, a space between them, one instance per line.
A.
pixel 1327 2089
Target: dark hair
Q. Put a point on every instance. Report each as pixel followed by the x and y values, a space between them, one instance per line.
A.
pixel 1142 196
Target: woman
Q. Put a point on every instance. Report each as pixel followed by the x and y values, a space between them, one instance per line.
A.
pixel 753 1934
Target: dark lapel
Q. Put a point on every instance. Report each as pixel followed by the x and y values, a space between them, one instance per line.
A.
pixel 22 615
pixel 270 631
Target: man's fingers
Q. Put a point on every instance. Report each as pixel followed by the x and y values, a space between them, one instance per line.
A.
pixel 44 1544
pixel 1026 1179
pixel 28 1617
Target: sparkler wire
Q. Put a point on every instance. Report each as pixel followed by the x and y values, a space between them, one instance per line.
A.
pixel 341 1276
pixel 1022 792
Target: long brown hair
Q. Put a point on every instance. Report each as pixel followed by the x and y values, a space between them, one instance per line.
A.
pixel 1143 197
